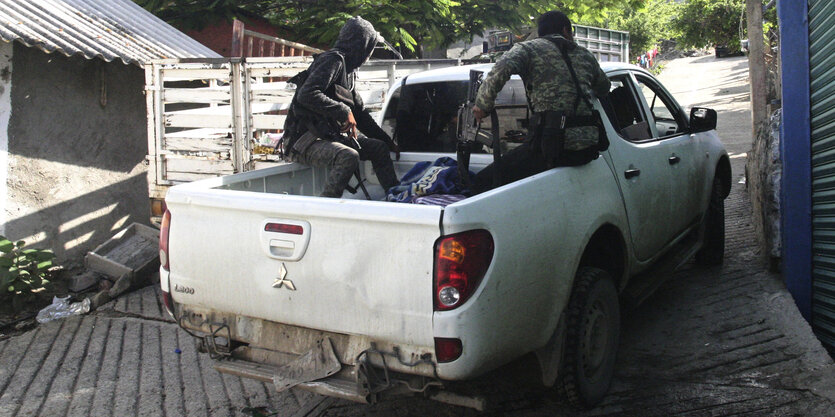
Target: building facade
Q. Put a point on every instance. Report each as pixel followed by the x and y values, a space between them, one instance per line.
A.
pixel 808 150
pixel 73 129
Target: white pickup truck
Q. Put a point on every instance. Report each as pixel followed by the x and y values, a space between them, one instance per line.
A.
pixel 359 299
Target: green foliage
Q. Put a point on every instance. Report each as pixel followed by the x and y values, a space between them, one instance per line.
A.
pixel 647 24
pixel 657 69
pixel 197 14
pixel 429 23
pixel 403 22
pixel 22 271
pixel 407 23
pixel 706 23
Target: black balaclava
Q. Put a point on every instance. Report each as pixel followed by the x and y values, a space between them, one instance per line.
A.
pixel 356 42
pixel 552 23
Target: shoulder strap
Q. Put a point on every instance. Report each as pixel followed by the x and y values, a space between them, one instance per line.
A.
pixel 302 76
pixel 594 120
pixel 563 46
pixel 344 72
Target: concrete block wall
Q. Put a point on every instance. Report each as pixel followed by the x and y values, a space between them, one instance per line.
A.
pixel 75 147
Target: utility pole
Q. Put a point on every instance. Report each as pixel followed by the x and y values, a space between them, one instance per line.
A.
pixel 756 63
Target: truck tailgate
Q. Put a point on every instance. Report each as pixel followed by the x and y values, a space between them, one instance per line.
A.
pixel 366 268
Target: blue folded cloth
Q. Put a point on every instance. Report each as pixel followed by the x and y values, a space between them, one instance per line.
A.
pixel 427 178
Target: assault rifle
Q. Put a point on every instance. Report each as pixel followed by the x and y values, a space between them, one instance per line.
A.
pixel 468 126
pixel 468 130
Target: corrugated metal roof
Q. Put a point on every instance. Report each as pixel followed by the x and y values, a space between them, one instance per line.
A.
pixel 107 29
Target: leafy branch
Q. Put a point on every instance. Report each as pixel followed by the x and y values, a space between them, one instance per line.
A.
pixel 23 272
pixel 409 24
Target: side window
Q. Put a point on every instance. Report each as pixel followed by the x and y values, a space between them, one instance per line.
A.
pixel 668 119
pixel 623 110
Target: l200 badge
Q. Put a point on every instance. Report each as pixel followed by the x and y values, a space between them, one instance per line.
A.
pixel 282 280
pixel 183 289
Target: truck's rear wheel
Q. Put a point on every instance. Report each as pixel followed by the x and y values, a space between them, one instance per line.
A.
pixel 593 330
pixel 713 247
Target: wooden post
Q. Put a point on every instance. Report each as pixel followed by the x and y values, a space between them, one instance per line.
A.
pixel 237 106
pixel 756 63
pixel 237 38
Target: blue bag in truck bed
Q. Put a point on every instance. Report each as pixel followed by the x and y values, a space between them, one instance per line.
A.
pixel 425 178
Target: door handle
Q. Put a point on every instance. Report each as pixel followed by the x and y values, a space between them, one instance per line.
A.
pixel 674 160
pixel 631 173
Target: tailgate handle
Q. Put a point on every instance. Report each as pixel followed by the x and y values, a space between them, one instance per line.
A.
pixel 285 239
pixel 282 248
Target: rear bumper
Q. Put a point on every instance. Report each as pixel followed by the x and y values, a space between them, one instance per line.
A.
pixel 342 385
pixel 274 344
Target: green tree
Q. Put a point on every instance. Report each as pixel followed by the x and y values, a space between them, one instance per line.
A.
pixel 407 23
pixel 647 24
pixel 403 22
pixel 197 14
pixel 706 23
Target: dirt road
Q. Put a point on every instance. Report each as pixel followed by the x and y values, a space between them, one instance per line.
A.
pixel 721 84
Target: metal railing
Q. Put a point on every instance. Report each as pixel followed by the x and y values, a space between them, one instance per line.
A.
pixel 247 43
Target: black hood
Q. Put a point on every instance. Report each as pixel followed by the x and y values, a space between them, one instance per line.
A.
pixel 356 42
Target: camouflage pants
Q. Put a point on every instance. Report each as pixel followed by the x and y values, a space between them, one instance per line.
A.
pixel 343 161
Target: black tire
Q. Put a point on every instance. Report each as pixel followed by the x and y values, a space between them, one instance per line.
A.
pixel 592 334
pixel 713 248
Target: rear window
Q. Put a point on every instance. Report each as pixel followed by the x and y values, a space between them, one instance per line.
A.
pixel 425 115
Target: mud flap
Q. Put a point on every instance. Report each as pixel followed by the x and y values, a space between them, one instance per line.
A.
pixel 550 355
pixel 317 363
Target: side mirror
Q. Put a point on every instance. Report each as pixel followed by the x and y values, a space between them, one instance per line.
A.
pixel 702 119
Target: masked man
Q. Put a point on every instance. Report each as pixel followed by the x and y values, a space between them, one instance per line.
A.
pixel 327 113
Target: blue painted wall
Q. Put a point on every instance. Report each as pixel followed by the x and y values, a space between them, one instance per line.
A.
pixel 795 148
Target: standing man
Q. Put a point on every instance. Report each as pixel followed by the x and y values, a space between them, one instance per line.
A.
pixel 327 112
pixel 560 77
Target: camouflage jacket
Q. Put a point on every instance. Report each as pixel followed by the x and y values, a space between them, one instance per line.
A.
pixel 548 83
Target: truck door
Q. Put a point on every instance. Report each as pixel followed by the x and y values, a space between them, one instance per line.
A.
pixel 641 167
pixel 684 164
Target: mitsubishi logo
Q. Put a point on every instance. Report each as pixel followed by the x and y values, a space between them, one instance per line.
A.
pixel 282 280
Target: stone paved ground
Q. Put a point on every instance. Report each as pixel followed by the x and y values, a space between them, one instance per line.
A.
pixel 123 361
pixel 711 342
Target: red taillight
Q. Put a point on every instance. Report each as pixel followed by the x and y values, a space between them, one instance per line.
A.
pixel 460 263
pixel 447 350
pixel 163 240
pixel 291 229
